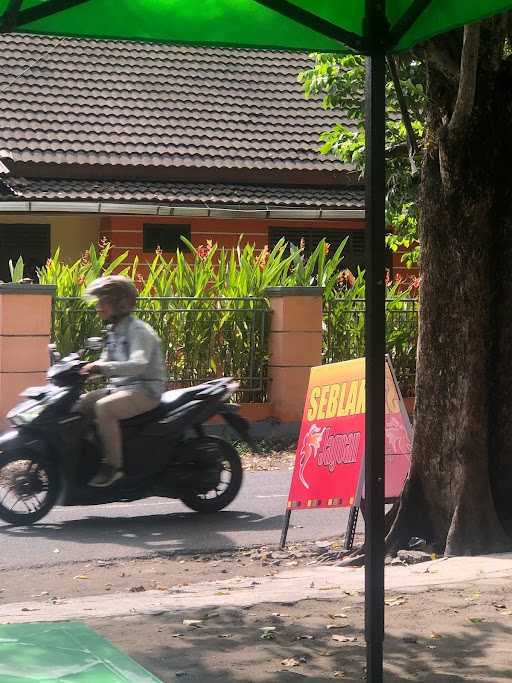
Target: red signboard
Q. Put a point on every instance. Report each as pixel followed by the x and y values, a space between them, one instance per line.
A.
pixel 329 468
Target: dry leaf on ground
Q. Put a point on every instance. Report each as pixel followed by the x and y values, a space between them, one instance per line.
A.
pixel 290 662
pixel 395 602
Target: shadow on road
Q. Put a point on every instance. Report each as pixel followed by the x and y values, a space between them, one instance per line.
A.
pixel 160 533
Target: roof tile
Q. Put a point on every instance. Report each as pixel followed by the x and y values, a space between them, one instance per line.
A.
pixel 220 194
pixel 122 103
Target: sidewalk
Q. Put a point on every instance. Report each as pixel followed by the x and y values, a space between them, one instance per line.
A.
pixel 447 620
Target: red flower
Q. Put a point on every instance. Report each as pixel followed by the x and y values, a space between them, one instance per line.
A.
pixel 203 251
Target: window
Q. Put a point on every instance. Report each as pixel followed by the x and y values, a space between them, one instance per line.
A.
pixel 31 242
pixel 167 236
pixel 353 254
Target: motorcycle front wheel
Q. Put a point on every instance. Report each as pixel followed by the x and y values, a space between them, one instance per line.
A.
pixel 219 475
pixel 29 487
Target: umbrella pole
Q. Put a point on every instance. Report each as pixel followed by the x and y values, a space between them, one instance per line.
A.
pixel 375 351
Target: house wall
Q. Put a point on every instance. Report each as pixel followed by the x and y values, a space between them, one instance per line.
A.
pixel 125 232
pixel 72 232
pixel 75 232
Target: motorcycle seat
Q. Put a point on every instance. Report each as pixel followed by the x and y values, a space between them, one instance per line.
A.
pixel 170 400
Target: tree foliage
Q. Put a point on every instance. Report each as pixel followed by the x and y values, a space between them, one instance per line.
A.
pixel 340 79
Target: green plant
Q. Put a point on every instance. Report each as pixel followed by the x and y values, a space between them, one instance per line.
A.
pixel 17 271
pixel 344 326
pixel 207 305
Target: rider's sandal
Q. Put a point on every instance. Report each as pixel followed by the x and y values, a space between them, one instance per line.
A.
pixel 106 476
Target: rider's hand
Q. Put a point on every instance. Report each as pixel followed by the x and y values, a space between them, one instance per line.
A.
pixel 90 369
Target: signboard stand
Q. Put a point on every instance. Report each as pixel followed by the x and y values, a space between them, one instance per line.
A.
pixel 351 527
pixel 284 532
pixel 329 463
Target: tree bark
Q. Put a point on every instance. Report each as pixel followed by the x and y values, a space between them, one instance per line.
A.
pixel 455 496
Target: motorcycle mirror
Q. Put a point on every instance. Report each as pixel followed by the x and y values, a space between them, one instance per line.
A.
pixel 54 354
pixel 94 343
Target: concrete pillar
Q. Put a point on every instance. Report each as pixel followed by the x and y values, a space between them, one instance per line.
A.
pixel 295 346
pixel 25 328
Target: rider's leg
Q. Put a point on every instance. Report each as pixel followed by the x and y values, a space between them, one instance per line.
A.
pixel 119 405
pixel 86 403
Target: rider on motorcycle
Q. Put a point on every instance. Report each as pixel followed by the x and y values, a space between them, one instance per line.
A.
pixel 131 360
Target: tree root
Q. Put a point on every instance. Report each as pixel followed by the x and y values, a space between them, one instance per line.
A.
pixel 356 557
pixel 476 529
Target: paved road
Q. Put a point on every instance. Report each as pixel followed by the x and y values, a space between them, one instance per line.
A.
pixel 158 525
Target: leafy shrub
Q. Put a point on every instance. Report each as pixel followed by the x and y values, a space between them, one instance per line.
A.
pixel 207 305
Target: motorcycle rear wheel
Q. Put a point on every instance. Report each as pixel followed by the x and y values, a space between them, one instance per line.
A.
pixel 29 487
pixel 220 496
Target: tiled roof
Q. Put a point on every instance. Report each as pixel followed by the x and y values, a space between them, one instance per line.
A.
pixel 110 103
pixel 220 194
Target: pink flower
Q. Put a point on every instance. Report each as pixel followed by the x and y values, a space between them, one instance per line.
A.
pixel 415 283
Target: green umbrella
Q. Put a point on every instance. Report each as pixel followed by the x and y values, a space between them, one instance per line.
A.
pixel 370 27
pixel 322 25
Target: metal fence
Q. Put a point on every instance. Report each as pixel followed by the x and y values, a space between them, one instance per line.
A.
pixel 344 335
pixel 202 338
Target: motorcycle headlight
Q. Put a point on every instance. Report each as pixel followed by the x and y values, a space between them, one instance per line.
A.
pixel 27 415
pixel 28 411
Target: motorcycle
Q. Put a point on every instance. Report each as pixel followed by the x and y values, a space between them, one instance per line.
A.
pixel 52 452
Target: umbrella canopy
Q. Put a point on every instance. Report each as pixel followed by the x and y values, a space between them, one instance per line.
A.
pixel 313 25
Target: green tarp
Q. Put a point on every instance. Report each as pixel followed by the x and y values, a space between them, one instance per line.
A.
pixel 64 652
pixel 246 22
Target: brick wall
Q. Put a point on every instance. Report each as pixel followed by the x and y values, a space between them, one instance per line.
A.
pixel 125 232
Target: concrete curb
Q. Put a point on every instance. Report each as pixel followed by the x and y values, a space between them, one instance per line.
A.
pixel 317 582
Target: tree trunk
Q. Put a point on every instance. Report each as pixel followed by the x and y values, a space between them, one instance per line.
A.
pixel 501 403
pixel 462 341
